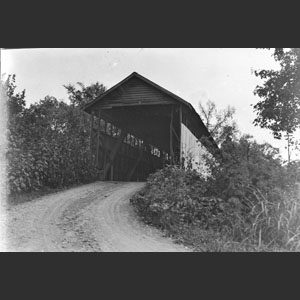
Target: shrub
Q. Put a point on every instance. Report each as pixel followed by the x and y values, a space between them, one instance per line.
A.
pixel 174 196
pixel 48 143
pixel 178 201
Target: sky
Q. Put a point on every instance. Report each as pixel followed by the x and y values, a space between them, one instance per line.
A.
pixel 223 75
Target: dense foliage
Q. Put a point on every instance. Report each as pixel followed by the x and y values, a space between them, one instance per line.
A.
pixel 79 97
pixel 48 142
pixel 279 107
pixel 250 200
pixel 170 197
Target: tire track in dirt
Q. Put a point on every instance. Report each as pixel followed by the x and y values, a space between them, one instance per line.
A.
pixel 119 230
pixel 37 226
pixel 67 227
pixel 90 218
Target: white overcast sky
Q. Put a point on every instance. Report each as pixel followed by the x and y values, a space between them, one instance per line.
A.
pixel 223 75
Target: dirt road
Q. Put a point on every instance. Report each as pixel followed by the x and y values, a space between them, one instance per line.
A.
pixel 94 217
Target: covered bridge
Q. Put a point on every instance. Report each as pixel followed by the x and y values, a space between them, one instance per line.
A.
pixel 137 126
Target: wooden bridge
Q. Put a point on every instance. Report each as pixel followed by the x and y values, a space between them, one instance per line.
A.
pixel 136 128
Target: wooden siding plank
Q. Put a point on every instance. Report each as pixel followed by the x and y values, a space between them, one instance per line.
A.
pixel 171 136
pixel 98 138
pixel 91 135
pixel 180 135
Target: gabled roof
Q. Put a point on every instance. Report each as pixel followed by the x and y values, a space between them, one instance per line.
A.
pixel 163 90
pixel 135 74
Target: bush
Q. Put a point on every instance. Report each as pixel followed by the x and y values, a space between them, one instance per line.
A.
pixel 40 154
pixel 48 143
pixel 178 201
pixel 174 196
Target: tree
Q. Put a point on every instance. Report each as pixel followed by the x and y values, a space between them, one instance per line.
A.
pixel 247 164
pixel 79 97
pixel 279 107
pixel 219 122
pixel 48 142
pixel 15 101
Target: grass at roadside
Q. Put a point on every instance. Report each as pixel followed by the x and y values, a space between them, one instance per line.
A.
pixel 174 200
pixel 205 240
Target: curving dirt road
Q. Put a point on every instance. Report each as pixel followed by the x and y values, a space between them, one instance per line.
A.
pixel 91 218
